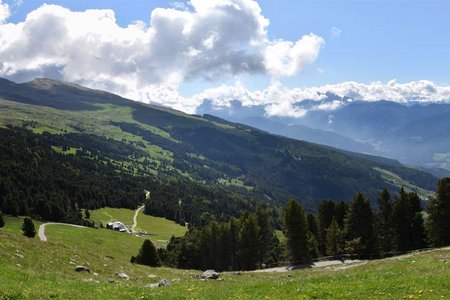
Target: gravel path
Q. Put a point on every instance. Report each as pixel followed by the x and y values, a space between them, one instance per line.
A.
pixel 317 264
pixel 41 231
pixel 135 218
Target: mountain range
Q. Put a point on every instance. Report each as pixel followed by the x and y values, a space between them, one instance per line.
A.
pixel 206 149
pixel 413 133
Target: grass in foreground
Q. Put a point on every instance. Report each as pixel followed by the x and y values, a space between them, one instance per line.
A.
pixel 47 272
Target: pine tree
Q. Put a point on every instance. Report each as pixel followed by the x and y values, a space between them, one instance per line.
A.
pixel 265 233
pixel 334 239
pixel 385 205
pixel 28 228
pixel 2 222
pixel 296 231
pixel 408 222
pixel 360 223
pixel 248 243
pixel 326 211
pixel 234 242
pixel 147 255
pixel 438 223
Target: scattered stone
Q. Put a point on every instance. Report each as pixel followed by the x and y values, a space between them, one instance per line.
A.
pixel 123 275
pixel 19 255
pixel 219 279
pixel 92 280
pixel 71 263
pixel 152 276
pixel 237 273
pixel 88 264
pixel 82 269
pixel 163 282
pixel 95 274
pixel 19 265
pixel 110 281
pixel 176 280
pixel 105 265
pixel 209 274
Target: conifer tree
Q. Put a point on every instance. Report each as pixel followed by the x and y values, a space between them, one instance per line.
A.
pixel 334 239
pixel 386 233
pixel 408 222
pixel 360 223
pixel 326 211
pixel 248 243
pixel 28 228
pixel 296 231
pixel 265 233
pixel 438 223
pixel 147 255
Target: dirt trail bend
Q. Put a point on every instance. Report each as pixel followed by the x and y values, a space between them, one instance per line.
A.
pixel 41 232
pixel 135 218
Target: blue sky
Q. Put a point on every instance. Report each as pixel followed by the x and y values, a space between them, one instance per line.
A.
pixel 372 40
pixel 379 40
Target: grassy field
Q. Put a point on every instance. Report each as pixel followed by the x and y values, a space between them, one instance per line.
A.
pixel 160 229
pixel 46 271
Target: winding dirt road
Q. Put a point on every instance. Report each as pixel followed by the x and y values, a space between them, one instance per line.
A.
pixel 41 231
pixel 135 218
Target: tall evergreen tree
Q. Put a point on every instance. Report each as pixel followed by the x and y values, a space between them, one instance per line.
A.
pixel 296 231
pixel 234 242
pixel 341 209
pixel 147 255
pixel 334 239
pixel 312 225
pixel 248 243
pixel 386 234
pixel 28 228
pixel 265 233
pixel 360 223
pixel 326 211
pixel 408 222
pixel 438 223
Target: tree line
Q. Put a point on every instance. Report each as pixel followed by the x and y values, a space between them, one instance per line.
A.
pixel 336 229
pixel 399 224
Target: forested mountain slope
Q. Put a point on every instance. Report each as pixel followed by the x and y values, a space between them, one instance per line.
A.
pixel 143 140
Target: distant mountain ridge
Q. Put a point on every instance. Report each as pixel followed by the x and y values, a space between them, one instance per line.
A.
pixel 205 149
pixel 414 133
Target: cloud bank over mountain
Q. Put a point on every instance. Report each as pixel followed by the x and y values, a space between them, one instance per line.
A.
pixel 212 41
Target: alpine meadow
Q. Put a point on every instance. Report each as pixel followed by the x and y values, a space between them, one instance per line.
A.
pixel 224 149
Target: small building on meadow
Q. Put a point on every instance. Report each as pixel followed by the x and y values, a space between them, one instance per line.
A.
pixel 116 225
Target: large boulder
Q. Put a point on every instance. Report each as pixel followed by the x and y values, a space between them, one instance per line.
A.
pixel 209 274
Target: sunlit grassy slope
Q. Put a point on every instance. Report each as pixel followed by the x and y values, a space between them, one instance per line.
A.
pixel 46 271
pixel 160 229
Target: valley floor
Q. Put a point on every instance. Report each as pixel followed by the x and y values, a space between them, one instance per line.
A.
pixel 32 269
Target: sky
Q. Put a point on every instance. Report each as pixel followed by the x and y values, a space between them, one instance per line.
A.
pixel 272 53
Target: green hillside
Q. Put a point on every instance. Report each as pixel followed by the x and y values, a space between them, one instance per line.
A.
pixel 147 140
pixel 160 230
pixel 31 269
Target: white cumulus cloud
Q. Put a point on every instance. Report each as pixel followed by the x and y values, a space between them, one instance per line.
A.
pixel 148 60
